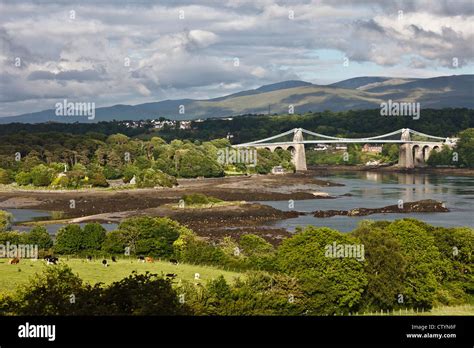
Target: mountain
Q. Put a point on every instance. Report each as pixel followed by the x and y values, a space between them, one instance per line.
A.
pixel 356 93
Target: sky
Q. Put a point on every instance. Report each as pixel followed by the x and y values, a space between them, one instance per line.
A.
pixel 131 52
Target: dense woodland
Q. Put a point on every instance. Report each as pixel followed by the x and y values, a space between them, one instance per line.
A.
pixel 94 154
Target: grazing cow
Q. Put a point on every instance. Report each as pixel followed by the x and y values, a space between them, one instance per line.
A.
pixel 114 259
pixel 104 262
pixel 171 275
pixel 174 262
pixel 14 261
pixel 141 259
pixel 149 259
pixel 89 258
pixel 52 260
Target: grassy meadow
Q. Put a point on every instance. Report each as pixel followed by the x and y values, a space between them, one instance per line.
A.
pixel 94 272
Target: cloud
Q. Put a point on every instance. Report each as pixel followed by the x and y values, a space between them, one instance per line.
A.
pixel 131 52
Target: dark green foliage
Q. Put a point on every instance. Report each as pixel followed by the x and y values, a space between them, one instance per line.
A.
pixel 114 243
pixel 443 157
pixel 98 179
pixel 384 266
pixel 72 239
pixel 148 236
pixel 332 285
pixel 154 178
pixel 69 240
pixel 57 291
pixel 23 178
pixel 41 175
pixel 6 219
pixel 423 263
pixel 465 147
pixel 93 236
pixel 39 236
pixel 258 294
pixel 199 198
pixel 4 177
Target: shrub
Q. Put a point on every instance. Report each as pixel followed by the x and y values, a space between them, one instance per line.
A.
pixel 198 198
pixel 23 178
pixel 98 179
pixel 4 177
pixel 42 175
pixel 154 178
pixel 6 219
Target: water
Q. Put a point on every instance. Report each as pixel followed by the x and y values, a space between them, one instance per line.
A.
pixel 24 215
pixel 375 190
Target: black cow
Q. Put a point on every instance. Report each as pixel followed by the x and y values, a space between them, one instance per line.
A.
pixel 141 259
pixel 89 258
pixel 174 262
pixel 104 262
pixel 114 259
pixel 171 275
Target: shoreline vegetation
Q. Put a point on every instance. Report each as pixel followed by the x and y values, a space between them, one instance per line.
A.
pixel 409 268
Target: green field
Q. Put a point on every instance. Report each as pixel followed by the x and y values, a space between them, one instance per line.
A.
pixel 94 272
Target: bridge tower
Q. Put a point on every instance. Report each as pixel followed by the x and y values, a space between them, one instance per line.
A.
pixel 405 156
pixel 299 155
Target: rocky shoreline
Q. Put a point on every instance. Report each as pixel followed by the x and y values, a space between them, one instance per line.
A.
pixel 423 206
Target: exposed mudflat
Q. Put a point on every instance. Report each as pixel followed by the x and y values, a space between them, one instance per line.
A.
pixel 215 222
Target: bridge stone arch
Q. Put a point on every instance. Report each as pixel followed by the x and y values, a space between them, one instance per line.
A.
pixel 413 153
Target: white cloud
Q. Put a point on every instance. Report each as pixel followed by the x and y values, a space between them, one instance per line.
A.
pixel 193 57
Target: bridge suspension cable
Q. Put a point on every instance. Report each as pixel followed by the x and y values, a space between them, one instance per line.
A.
pixel 318 135
pixel 270 138
pixel 425 135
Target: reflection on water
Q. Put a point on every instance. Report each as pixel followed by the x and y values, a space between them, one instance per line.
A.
pixel 376 189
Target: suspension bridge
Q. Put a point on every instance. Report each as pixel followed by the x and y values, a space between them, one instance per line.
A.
pixel 415 147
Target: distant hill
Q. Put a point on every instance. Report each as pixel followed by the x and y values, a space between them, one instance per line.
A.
pixel 356 93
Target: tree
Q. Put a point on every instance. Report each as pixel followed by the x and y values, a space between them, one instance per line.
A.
pixel 69 240
pixel 41 175
pixel 332 285
pixel 384 266
pixel 423 262
pixel 6 219
pixel 23 178
pixel 93 236
pixel 150 236
pixel 465 147
pixel 443 157
pixel 154 178
pixel 4 177
pixel 115 242
pixel 39 236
